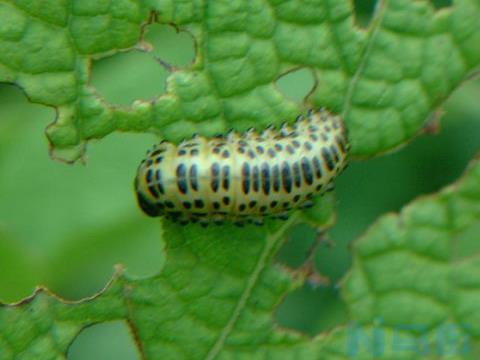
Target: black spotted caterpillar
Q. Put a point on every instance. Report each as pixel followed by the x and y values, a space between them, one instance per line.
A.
pixel 243 178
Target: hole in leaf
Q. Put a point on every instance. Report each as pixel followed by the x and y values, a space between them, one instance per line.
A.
pixel 439 4
pixel 20 266
pixel 111 340
pixel 294 251
pixel 109 226
pixel 364 12
pixel 69 225
pixel 175 47
pixel 312 310
pixel 17 112
pixel 129 76
pixel 296 84
pixel 369 189
pixel 138 75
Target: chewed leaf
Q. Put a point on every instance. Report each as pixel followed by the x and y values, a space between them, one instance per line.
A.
pixel 384 81
pixel 415 276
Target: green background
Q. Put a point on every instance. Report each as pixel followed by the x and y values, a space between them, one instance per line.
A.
pixel 66 226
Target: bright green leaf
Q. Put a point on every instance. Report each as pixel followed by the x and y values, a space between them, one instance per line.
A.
pixel 414 273
pixel 414 278
pixel 385 81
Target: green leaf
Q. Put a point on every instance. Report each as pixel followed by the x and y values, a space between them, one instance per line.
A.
pixel 201 301
pixel 414 283
pixel 414 273
pixel 416 276
pixel 385 81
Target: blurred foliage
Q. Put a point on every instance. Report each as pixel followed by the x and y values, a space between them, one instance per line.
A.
pixel 50 233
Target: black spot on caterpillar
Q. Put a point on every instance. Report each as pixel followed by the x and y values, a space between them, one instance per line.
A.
pixel 243 177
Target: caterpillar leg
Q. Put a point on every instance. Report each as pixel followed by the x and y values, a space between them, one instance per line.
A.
pixel 307 204
pixel 244 178
pixel 330 187
pixel 258 221
pixel 283 216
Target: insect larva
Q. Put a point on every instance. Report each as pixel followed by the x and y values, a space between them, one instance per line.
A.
pixel 243 177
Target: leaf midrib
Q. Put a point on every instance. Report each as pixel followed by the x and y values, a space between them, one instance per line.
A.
pixel 251 281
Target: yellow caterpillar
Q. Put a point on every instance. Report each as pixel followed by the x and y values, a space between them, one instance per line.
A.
pixel 243 178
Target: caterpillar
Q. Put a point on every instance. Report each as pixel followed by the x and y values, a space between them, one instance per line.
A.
pixel 243 177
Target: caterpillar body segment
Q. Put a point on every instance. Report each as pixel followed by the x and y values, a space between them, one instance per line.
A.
pixel 243 177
